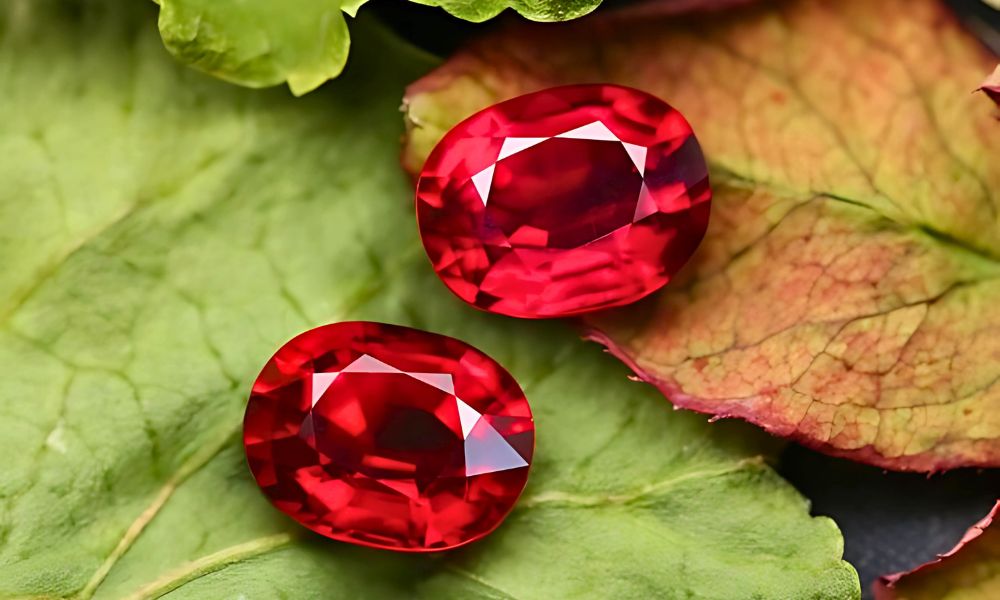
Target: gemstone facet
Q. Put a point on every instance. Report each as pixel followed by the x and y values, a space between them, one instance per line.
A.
pixel 564 201
pixel 387 436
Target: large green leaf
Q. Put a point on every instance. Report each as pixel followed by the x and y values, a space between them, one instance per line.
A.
pixel 846 292
pixel 161 233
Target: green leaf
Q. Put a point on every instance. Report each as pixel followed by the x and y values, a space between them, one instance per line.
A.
pixel 536 10
pixel 846 292
pixel 162 233
pixel 261 43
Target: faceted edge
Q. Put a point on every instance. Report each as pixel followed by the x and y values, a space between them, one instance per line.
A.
pixel 364 543
pixel 416 176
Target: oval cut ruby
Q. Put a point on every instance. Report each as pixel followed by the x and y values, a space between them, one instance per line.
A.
pixel 564 201
pixel 387 436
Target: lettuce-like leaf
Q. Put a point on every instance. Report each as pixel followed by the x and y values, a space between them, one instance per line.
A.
pixel 260 43
pixel 536 10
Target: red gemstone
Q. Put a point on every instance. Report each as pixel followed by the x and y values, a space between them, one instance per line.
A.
pixel 387 436
pixel 564 201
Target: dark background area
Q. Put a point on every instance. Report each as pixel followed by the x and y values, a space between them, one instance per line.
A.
pixel 891 521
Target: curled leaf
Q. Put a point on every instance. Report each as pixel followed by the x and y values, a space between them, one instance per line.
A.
pixel 846 292
pixel 969 571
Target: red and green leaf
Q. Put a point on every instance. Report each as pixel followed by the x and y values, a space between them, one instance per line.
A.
pixel 847 292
